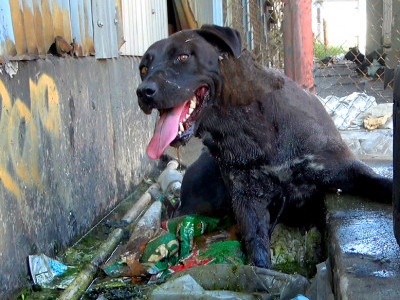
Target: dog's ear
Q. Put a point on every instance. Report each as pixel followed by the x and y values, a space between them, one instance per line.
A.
pixel 225 38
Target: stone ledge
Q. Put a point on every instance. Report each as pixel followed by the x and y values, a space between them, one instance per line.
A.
pixel 363 252
pixel 377 143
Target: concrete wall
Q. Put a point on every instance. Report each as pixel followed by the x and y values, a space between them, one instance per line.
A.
pixel 72 144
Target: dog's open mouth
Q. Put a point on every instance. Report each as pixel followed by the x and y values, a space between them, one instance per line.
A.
pixel 176 125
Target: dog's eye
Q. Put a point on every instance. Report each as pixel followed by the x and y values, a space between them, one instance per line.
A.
pixel 183 57
pixel 143 70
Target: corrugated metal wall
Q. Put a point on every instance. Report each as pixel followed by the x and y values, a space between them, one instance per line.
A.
pixel 105 28
pixel 28 27
pixel 82 28
pixel 145 22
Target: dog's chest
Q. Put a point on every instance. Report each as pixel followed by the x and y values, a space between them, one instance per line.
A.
pixel 295 180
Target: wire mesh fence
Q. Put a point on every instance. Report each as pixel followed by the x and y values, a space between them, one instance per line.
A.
pixel 356 47
pixel 259 23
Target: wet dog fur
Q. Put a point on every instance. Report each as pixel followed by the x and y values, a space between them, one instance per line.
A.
pixel 273 144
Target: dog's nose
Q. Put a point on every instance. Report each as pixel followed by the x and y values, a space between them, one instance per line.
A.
pixel 147 90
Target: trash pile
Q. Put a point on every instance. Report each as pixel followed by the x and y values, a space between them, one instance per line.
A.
pixel 147 254
pixel 173 249
pixel 373 64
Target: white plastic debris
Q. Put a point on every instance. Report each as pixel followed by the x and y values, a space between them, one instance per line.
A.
pixel 170 180
pixel 44 269
pixel 340 57
pixel 346 111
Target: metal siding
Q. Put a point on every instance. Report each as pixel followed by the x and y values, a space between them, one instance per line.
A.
pixel 105 29
pixel 19 29
pixel 30 34
pixel 39 31
pixel 47 23
pixel 7 39
pixel 29 27
pixel 144 23
pixel 120 31
pixel 82 27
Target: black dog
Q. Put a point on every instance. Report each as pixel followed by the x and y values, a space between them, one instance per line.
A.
pixel 274 143
pixel 203 189
pixel 355 55
pixel 363 62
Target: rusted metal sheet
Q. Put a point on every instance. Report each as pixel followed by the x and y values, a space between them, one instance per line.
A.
pixel 298 42
pixel 7 40
pixel 29 27
pixel 35 25
pixel 82 27
pixel 144 23
pixel 120 28
pixel 105 21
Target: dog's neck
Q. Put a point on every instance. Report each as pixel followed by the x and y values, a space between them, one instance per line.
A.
pixel 235 141
pixel 245 85
pixel 244 80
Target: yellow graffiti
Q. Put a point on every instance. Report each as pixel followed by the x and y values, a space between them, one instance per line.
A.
pixel 5 177
pixel 19 136
pixel 49 114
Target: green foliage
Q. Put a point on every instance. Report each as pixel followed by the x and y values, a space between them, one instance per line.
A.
pixel 320 52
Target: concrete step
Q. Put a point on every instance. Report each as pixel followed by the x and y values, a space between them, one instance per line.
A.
pixel 363 252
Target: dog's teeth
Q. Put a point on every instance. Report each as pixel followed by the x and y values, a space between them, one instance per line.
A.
pixel 179 133
pixel 181 127
pixel 193 104
pixel 190 111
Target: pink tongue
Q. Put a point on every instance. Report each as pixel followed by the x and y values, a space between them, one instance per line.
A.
pixel 165 132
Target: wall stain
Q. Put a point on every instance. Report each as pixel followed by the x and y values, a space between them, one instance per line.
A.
pixel 19 136
pixel 71 123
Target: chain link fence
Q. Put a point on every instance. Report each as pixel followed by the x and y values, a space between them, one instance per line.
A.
pixel 259 23
pixel 356 47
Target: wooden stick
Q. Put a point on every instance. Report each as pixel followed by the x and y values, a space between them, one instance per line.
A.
pixel 85 277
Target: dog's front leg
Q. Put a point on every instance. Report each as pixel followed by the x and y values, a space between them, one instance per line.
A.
pixel 253 218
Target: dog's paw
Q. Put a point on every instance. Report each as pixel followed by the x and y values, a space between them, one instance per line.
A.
pixel 259 256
